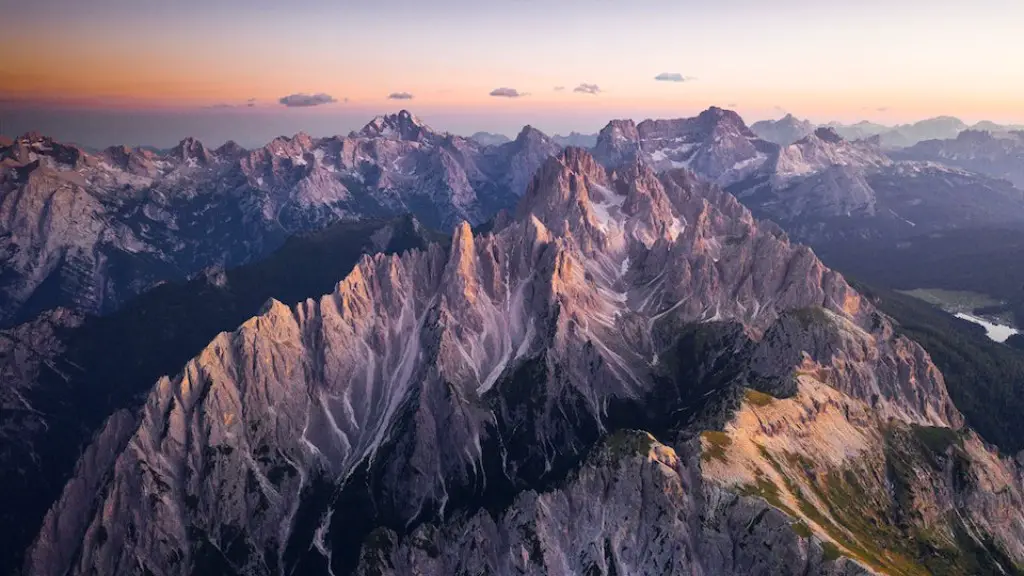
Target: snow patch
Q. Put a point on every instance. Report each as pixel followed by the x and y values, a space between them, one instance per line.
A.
pixel 602 208
pixel 893 212
pixel 744 164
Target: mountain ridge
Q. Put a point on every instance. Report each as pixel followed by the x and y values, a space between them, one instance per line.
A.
pixel 65 372
pixel 789 129
pixel 1000 155
pixel 90 231
pixel 823 189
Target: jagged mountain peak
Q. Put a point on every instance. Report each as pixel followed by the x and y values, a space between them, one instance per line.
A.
pixel 289 146
pixel 715 115
pixel 301 138
pixel 32 146
pixel 718 122
pixel 617 131
pixel 123 157
pixel 562 181
pixel 191 149
pixel 828 134
pixel 401 126
pixel 623 125
pixel 790 120
pixel 529 134
pixel 556 185
pixel 607 212
pixel 230 149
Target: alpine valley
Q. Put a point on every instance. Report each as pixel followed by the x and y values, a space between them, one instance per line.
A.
pixel 615 360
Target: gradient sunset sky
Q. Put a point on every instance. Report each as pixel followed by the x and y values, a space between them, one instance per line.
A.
pixel 70 64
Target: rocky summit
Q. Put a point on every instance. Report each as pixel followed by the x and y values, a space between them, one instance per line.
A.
pixel 89 231
pixel 631 375
pixel 715 144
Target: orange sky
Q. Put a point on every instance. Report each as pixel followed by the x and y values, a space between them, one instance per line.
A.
pixel 891 61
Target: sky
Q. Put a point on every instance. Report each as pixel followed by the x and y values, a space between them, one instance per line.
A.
pixel 148 72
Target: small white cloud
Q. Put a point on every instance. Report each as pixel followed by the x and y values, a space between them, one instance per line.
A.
pixel 670 77
pixel 400 96
pixel 507 93
pixel 249 103
pixel 585 88
pixel 306 100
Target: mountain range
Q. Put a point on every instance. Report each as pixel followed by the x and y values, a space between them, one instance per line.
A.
pixel 716 145
pixel 996 154
pixel 613 361
pixel 789 129
pixel 822 189
pixel 573 139
pixel 631 374
pixel 90 231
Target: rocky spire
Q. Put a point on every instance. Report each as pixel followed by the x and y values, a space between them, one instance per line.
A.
pixel 828 134
pixel 531 136
pixel 192 149
pixel 230 150
pixel 559 195
pixel 617 143
pixel 461 274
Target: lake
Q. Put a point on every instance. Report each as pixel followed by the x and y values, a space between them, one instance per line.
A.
pixel 997 332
